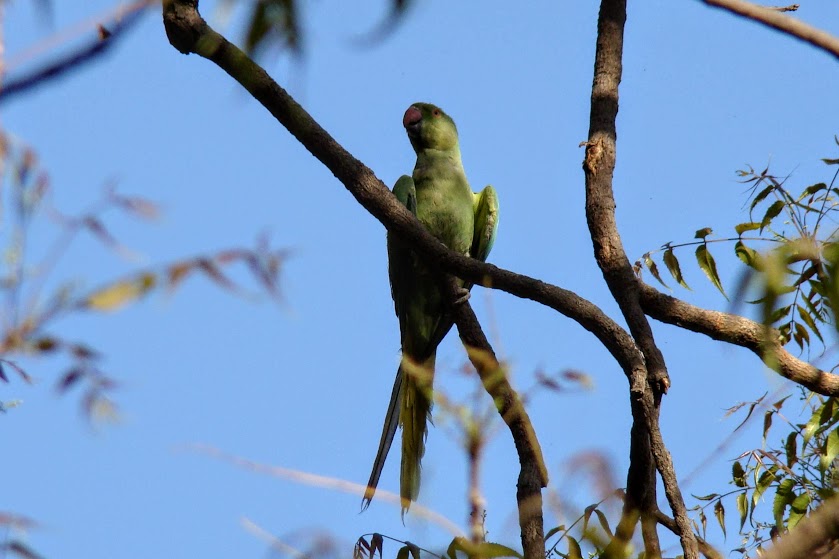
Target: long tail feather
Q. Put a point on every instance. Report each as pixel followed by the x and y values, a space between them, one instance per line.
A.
pixel 416 410
pixel 388 432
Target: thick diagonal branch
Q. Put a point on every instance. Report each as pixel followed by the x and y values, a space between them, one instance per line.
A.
pixel 599 168
pixel 189 33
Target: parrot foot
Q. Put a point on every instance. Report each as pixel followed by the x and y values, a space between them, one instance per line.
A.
pixel 463 295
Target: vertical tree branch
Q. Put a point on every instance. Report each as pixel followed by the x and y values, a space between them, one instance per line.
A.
pixel 533 475
pixel 645 388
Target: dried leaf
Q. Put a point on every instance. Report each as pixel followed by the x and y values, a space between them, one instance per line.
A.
pixel 702 233
pixel 719 513
pixel 120 293
pixel 69 378
pixel 653 268
pixel 376 544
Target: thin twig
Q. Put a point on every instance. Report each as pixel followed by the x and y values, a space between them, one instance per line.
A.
pixel 99 45
pixel 772 17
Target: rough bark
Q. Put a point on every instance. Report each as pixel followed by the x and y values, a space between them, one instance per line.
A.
pixel 533 475
pixel 646 386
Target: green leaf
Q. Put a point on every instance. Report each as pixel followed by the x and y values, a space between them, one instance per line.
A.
pixel 742 508
pixel 807 319
pixel 455 545
pixel 762 484
pixel 273 20
pixel 709 497
pixel 651 266
pixel 798 509
pixel 574 550
pixel 767 423
pixel 783 497
pixel 761 196
pixel 603 522
pixel 709 266
pixel 492 550
pixel 813 188
pixel 719 513
pixel 748 255
pixel 738 474
pixel 791 449
pixel 403 553
pixel 771 213
pixel 673 267
pixel 702 233
pixel 830 450
pixel 554 530
pixel 748 226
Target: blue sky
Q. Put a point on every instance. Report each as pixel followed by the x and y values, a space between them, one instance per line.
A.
pixel 304 384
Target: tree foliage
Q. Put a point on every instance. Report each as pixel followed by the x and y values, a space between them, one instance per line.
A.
pixel 787 244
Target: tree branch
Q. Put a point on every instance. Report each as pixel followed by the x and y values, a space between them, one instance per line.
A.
pixel 189 33
pixel 185 27
pixel 739 331
pixel 646 386
pixel 704 547
pixel 533 475
pixel 772 17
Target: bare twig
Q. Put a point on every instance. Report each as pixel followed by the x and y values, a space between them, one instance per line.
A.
pixel 103 41
pixel 705 548
pixel 772 17
pixel 790 8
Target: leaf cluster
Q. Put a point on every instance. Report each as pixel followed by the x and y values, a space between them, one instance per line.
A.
pixel 792 255
pixel 367 546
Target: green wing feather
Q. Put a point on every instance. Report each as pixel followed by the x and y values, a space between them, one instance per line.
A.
pixel 486 223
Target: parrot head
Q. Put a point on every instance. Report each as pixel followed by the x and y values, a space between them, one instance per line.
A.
pixel 429 127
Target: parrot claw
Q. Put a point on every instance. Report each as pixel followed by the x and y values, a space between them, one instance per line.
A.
pixel 463 295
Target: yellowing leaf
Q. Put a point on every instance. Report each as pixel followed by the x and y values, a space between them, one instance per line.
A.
pixel 120 293
pixel 719 513
pixel 709 266
pixel 651 266
pixel 673 266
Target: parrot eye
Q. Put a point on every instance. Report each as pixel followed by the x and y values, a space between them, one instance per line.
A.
pixel 436 112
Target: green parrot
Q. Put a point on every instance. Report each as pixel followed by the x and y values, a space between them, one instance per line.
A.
pixel 441 198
